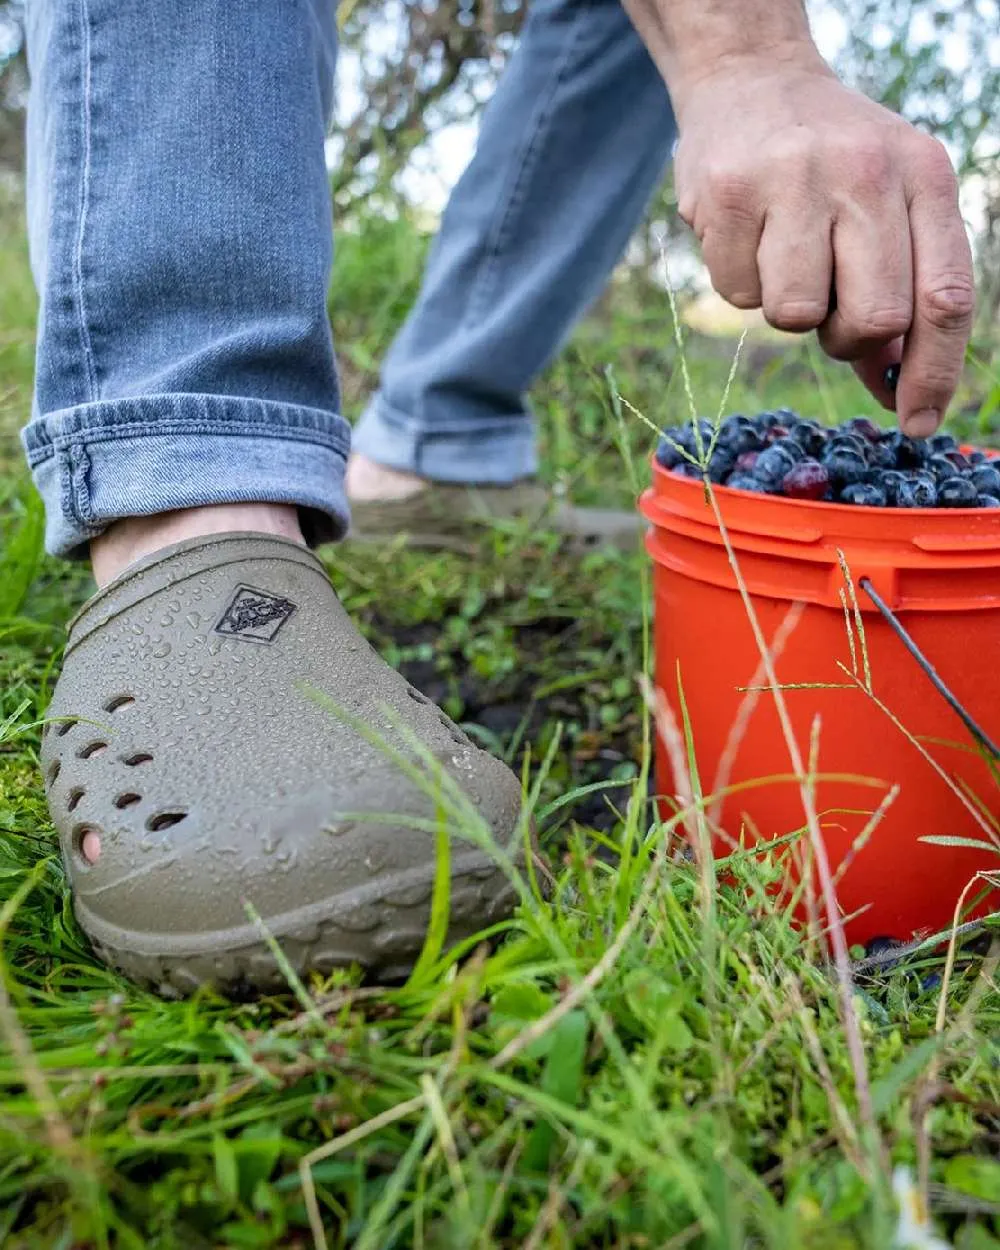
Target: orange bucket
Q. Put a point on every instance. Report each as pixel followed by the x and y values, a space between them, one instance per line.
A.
pixel 939 571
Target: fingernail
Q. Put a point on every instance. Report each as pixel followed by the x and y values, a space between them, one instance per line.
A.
pixel 923 423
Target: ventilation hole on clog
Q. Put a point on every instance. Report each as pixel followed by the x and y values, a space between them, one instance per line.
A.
pixel 53 772
pixel 79 833
pixel 127 800
pixel 164 821
pixel 66 726
pixel 117 703
pixel 92 748
pixel 140 757
pixel 75 796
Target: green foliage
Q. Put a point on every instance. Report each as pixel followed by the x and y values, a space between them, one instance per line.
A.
pixel 938 64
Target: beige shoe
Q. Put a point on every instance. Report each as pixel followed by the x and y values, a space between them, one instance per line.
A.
pixel 447 516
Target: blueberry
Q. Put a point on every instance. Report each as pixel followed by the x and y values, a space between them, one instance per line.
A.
pixel 957 492
pixel 840 441
pixel 909 452
pixel 788 417
pixel 941 467
pixel 744 481
pixel 917 490
pixel 791 447
pixel 844 467
pixel 864 427
pixel 746 461
pixel 721 465
pixel 986 479
pixel 942 443
pixel 809 436
pixel 687 469
pixel 772 466
pixel 978 457
pixel 890 482
pixel 687 436
pixel 807 480
pixel 988 501
pixel 864 494
pixel 668 453
pixel 958 460
pixel 881 456
pixel 739 434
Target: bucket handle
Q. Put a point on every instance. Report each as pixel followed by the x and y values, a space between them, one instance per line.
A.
pixel 929 670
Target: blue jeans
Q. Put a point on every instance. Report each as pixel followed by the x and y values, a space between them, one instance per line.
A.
pixel 179 221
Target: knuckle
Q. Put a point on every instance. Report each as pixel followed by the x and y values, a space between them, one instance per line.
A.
pixel 795 315
pixel 743 298
pixel 883 321
pixel 731 192
pixel 934 161
pixel 949 302
pixel 872 164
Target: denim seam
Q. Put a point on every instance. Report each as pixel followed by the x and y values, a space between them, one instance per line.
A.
pixel 83 513
pixel 463 430
pixel 86 344
pixel 49 445
pixel 510 202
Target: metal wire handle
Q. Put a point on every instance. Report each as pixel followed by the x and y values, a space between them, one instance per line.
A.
pixel 980 734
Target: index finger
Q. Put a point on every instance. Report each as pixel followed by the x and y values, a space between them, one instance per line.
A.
pixel 944 295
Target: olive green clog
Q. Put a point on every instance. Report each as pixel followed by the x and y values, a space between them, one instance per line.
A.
pixel 186 732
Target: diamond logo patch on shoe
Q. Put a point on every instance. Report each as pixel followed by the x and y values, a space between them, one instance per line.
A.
pixel 255 615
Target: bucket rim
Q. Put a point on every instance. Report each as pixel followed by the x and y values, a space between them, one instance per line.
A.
pixel 932 530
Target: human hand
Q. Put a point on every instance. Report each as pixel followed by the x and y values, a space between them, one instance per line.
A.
pixel 830 213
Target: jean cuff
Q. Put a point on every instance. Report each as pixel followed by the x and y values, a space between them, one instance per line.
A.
pixel 479 453
pixel 96 463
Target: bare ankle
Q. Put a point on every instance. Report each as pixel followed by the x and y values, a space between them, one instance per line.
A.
pixel 370 482
pixel 132 538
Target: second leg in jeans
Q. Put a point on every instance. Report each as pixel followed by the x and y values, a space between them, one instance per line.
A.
pixel 571 148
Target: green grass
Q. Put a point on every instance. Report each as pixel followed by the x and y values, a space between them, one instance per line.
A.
pixel 636 1063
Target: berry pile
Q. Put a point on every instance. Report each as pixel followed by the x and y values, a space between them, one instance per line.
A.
pixel 781 453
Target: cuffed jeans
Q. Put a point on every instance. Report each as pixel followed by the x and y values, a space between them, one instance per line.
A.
pixel 179 222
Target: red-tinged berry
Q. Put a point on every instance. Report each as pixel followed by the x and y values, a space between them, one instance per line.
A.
pixel 808 480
